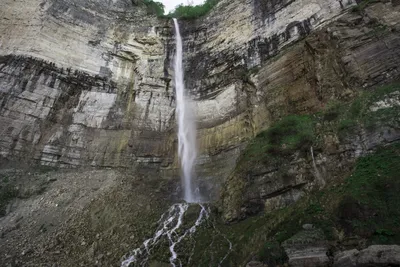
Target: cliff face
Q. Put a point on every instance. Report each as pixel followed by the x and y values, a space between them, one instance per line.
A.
pixel 84 84
pixel 90 84
pixel 250 64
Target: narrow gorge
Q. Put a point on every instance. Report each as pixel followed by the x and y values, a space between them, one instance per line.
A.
pixel 294 118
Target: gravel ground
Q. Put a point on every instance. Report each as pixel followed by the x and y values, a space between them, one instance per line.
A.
pixel 79 217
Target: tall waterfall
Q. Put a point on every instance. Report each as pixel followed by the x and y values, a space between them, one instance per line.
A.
pixel 186 124
pixel 171 226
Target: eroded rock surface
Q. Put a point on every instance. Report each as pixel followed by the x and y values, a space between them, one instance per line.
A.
pixel 377 255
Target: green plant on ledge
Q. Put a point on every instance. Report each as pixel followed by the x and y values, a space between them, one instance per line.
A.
pixel 291 133
pixel 154 7
pixel 193 12
pixel 187 12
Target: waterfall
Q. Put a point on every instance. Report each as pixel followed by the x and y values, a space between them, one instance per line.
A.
pixel 187 150
pixel 317 174
pixel 171 224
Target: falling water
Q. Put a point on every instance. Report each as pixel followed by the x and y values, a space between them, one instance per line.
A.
pixel 317 174
pixel 186 124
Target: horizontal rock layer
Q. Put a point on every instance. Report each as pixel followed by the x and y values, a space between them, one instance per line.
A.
pixel 377 255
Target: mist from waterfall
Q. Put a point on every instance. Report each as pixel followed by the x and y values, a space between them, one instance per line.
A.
pixel 187 149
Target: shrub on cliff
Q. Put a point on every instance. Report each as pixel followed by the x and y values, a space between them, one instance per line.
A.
pixel 294 132
pixel 181 11
pixel 193 12
pixel 154 7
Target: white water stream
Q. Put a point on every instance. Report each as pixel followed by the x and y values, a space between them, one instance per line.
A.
pixel 169 224
pixel 187 149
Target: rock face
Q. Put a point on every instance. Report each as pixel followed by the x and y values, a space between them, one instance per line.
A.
pixel 281 181
pixel 307 248
pixel 377 255
pixel 82 85
pixel 333 62
pixel 89 84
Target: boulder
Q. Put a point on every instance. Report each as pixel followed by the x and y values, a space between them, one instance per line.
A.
pixel 346 258
pixel 377 255
pixel 307 248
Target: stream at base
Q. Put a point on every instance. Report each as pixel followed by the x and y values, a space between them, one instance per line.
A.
pixel 169 227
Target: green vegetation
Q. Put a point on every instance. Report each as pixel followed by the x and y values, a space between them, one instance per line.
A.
pixel 350 116
pixel 193 12
pixel 182 11
pixel 362 206
pixel 362 5
pixel 373 196
pixel 154 7
pixel 292 133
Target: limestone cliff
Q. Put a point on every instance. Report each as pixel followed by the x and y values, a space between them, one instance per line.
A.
pixel 84 84
pixel 89 84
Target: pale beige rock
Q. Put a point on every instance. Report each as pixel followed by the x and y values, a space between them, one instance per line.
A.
pixel 379 255
pixel 346 258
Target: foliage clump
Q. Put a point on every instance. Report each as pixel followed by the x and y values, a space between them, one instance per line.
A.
pixel 294 132
pixel 193 12
pixel 182 11
pixel 155 7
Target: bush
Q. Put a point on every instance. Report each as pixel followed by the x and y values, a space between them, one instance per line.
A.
pixel 154 7
pixel 193 12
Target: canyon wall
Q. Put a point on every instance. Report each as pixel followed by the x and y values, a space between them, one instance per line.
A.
pixel 86 87
pixel 89 84
pixel 84 84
